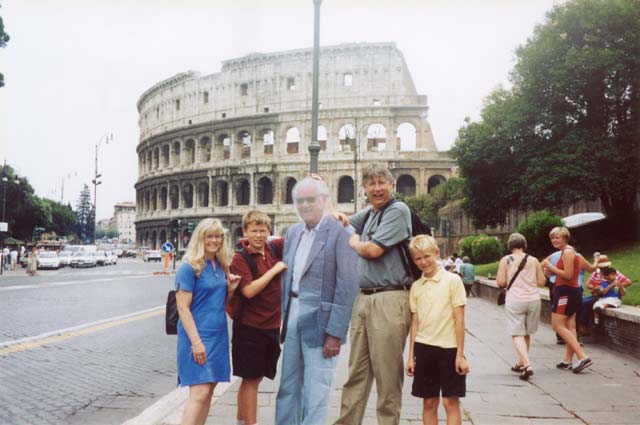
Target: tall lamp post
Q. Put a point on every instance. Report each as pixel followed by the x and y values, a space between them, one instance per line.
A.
pixel 314 146
pixel 107 137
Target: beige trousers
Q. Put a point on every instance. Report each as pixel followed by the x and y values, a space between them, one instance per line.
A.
pixel 378 333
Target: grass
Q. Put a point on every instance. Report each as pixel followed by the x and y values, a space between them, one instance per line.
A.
pixel 625 258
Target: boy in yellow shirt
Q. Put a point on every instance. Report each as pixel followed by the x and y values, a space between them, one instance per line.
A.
pixel 436 344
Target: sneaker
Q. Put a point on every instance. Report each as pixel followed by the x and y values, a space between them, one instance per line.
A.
pixel 564 365
pixel 582 364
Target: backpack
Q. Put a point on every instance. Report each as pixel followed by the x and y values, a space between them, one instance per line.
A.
pixel 235 304
pixel 417 228
pixel 171 314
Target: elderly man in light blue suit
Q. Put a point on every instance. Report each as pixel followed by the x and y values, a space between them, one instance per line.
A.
pixel 318 290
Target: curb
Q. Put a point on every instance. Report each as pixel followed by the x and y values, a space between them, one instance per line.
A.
pixel 168 410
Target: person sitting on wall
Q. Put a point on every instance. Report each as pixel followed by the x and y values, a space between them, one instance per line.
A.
pixel 611 292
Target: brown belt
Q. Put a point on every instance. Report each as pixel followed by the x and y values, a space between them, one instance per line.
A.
pixel 369 291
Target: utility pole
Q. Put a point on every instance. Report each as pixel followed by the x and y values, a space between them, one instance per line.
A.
pixel 107 137
pixel 314 146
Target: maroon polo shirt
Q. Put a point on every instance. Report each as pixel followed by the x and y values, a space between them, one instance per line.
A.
pixel 263 310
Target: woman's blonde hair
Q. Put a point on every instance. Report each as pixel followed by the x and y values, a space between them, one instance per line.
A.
pixel 195 250
pixel 560 231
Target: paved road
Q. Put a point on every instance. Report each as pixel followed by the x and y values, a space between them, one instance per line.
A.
pixel 83 346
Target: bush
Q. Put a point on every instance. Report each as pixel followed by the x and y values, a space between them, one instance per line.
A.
pixel 486 249
pixel 466 247
pixel 536 230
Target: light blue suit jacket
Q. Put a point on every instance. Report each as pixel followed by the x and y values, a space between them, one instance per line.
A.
pixel 328 284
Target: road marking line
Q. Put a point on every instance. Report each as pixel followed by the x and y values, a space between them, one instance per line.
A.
pixel 29 343
pixel 70 282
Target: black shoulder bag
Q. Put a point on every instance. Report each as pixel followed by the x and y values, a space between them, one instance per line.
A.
pixel 503 293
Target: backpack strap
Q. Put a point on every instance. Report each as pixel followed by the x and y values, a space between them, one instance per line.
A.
pixel 251 262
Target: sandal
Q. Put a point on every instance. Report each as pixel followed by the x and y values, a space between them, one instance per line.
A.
pixel 517 368
pixel 526 373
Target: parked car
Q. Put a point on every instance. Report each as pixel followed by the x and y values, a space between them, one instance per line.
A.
pixel 152 255
pixel 118 252
pixel 65 258
pixel 48 260
pixel 83 259
pixel 24 260
pixel 113 257
pixel 102 259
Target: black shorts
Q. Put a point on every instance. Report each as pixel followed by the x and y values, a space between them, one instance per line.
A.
pixel 566 300
pixel 435 371
pixel 254 352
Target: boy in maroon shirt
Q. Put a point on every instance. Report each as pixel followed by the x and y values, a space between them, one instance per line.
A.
pixel 255 344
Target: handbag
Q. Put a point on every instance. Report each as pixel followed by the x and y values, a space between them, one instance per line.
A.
pixel 502 296
pixel 171 314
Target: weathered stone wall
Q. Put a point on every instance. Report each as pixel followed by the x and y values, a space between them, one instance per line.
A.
pixel 222 144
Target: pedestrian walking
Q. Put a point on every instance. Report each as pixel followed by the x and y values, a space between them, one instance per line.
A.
pixel 468 273
pixel 202 284
pixel 32 262
pixel 318 289
pixel 521 274
pixel 567 299
pixel 381 317
pixel 255 346
pixel 436 343
pixel 14 258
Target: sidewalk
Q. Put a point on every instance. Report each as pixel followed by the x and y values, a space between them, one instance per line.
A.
pixel 605 393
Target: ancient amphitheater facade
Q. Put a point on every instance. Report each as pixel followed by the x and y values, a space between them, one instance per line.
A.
pixel 220 145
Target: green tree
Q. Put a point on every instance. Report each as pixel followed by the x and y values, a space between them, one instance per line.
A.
pixel 427 206
pixel 4 39
pixel 63 219
pixel 23 209
pixel 569 128
pixel 84 215
pixel 535 229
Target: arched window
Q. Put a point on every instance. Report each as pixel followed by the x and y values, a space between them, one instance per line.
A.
pixel 189 152
pixel 223 147
pixel 322 137
pixel 347 137
pixel 288 188
pixel 267 140
pixel 293 140
pixel 163 198
pixel 243 194
pixel 345 190
pixel 205 149
pixel 147 237
pixel 154 240
pixel 187 196
pixel 174 196
pixel 147 195
pixel 435 181
pixel 265 191
pixel 222 193
pixel 376 138
pixel 203 194
pixel 166 149
pixel 245 138
pixel 154 200
pixel 156 158
pixel 175 154
pixel 163 236
pixel 406 185
pixel 406 138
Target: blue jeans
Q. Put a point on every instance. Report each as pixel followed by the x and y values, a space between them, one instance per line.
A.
pixel 303 396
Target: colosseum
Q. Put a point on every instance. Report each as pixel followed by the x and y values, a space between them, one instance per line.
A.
pixel 221 144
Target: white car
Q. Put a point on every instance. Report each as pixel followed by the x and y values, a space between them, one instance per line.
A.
pixel 102 259
pixel 152 256
pixel 113 257
pixel 65 258
pixel 48 260
pixel 83 259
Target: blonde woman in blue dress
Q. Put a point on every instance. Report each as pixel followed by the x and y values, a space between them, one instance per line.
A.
pixel 203 284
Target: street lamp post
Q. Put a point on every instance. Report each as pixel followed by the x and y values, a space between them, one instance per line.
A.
pixel 314 146
pixel 107 137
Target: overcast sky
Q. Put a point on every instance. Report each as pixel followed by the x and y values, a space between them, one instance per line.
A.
pixel 74 69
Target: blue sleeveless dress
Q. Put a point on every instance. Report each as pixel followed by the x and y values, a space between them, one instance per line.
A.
pixel 207 307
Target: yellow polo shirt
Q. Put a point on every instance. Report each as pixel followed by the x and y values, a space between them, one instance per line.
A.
pixel 434 300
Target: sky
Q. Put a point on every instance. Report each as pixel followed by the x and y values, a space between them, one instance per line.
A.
pixel 74 69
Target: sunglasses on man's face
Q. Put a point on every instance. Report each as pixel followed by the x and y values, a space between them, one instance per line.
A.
pixel 308 200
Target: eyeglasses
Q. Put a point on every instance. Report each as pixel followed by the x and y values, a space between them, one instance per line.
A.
pixel 214 237
pixel 308 200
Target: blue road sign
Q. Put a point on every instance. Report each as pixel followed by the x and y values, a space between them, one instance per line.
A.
pixel 167 247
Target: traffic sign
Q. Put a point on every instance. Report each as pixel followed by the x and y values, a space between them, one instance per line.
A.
pixel 167 247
